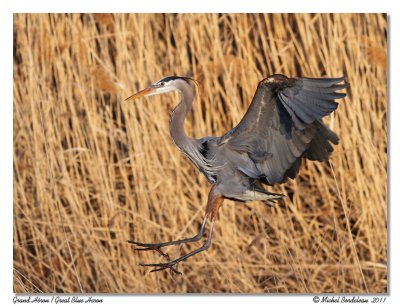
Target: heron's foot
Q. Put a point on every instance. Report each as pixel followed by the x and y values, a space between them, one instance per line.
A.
pixel 150 247
pixel 162 266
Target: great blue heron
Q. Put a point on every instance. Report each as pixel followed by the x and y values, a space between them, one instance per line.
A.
pixel 281 127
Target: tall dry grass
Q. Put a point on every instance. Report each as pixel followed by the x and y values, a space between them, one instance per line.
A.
pixel 91 171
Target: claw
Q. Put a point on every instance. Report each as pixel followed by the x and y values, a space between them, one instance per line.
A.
pixel 162 266
pixel 171 268
pixel 149 247
pixel 146 245
pixel 154 249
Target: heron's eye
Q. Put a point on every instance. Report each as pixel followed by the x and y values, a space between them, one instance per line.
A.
pixel 162 83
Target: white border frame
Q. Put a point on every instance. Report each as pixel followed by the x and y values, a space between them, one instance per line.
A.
pixel 228 6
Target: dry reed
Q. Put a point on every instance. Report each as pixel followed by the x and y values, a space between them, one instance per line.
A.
pixel 91 172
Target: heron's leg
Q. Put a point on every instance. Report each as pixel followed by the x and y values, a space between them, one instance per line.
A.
pixel 157 246
pixel 214 202
pixel 172 263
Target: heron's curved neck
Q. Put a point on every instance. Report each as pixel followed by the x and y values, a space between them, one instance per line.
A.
pixel 179 114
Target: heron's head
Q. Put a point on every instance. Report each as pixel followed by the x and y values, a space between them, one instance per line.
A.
pixel 167 84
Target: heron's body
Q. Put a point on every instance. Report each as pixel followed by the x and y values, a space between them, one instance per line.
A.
pixel 281 127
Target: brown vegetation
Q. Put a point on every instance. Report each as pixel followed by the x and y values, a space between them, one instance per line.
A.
pixel 91 171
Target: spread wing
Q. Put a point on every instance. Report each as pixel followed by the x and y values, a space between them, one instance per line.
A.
pixel 283 124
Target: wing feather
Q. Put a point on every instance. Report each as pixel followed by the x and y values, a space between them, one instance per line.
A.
pixel 283 125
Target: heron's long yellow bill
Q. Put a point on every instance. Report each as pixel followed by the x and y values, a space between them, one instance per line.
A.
pixel 141 93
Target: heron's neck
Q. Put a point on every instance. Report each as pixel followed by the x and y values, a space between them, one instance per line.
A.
pixel 178 116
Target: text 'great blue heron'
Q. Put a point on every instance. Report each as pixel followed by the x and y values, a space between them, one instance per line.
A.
pixel 281 127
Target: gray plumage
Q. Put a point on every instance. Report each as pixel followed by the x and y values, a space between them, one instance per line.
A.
pixel 282 126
